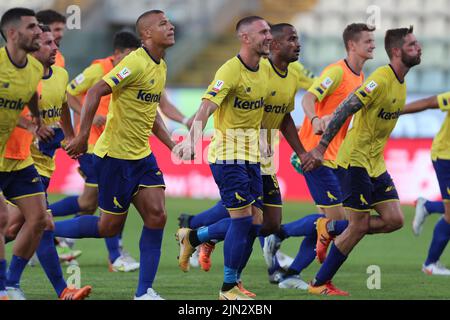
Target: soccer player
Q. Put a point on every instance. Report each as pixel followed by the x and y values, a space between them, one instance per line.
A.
pixel 57 24
pixel 336 82
pixel 56 117
pixel 236 98
pixel 366 184
pixel 285 78
pixel 127 171
pixel 273 116
pixel 124 42
pixel 440 155
pixel 19 180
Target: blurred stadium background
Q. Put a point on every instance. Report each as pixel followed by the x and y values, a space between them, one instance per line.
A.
pixel 205 39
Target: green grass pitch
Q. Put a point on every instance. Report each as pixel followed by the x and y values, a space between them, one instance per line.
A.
pixel 399 256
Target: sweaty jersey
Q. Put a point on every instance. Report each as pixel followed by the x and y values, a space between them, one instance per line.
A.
pixel 17 86
pixel 83 82
pixel 240 93
pixel 336 82
pixel 137 83
pixel 441 143
pixel 281 100
pixel 383 97
pixel 52 95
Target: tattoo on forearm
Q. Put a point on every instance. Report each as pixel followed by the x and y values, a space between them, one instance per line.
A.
pixel 348 107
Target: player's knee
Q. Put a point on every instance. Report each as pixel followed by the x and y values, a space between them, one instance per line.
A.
pixel 88 207
pixel 3 221
pixel 395 222
pixel 110 230
pixel 359 228
pixel 157 219
pixel 50 225
pixel 269 228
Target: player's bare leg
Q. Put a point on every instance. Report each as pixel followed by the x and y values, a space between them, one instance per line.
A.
pixel 390 218
pixel 271 221
pixel 357 228
pixel 88 200
pixel 34 211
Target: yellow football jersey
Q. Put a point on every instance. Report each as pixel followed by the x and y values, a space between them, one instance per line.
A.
pixel 86 80
pixel 441 143
pixel 52 97
pixel 17 86
pixel 383 97
pixel 137 83
pixel 306 77
pixel 240 93
pixel 279 103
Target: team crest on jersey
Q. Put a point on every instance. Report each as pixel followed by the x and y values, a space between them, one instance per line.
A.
pixel 219 84
pixel 371 86
pixel 79 79
pixel 326 83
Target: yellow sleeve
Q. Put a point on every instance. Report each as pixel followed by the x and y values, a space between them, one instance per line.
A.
pixel 128 70
pixel 372 88
pixel 444 101
pixel 306 77
pixel 85 80
pixel 224 81
pixel 327 83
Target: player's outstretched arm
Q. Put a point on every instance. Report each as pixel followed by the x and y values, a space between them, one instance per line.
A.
pixel 160 131
pixel 171 112
pixel 78 146
pixel 75 103
pixel 185 149
pixel 421 105
pixel 348 107
pixel 66 123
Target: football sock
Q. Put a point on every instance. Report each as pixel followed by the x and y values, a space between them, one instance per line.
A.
pixel 305 255
pixel 336 227
pixel 48 257
pixel 254 230
pixel 150 247
pixel 441 235
pixel 77 228
pixel 303 227
pixel 15 271
pixel 2 274
pixel 216 231
pixel 234 249
pixel 65 207
pixel 210 216
pixel 435 207
pixel 331 265
pixel 112 244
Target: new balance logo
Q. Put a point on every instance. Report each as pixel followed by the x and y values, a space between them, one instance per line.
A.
pixel 448 191
pixel 389 189
pixel 238 197
pixel 116 203
pixel 331 196
pixel 248 105
pixel 36 180
pixel 12 104
pixel 389 115
pixel 363 200
pixel 148 97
